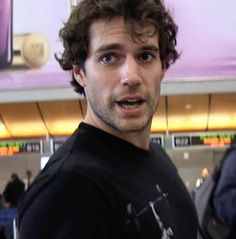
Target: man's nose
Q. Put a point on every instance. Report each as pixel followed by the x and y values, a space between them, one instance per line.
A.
pixel 130 72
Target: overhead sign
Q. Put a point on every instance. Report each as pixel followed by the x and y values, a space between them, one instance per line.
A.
pixel 8 148
pixel 208 139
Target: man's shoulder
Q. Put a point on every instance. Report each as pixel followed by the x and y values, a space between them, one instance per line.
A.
pixel 163 158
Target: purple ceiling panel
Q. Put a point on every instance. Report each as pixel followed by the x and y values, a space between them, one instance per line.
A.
pixel 206 40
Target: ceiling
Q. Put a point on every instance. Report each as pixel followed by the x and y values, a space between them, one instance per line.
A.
pixel 176 113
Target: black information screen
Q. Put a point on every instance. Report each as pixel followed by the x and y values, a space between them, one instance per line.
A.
pixel 57 144
pixel 157 140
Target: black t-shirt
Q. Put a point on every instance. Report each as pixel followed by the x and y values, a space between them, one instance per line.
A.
pixel 100 186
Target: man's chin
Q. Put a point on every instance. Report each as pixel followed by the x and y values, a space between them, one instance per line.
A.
pixel 132 127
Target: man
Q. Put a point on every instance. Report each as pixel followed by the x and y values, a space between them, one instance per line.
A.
pixel 28 180
pixel 13 191
pixel 107 180
pixel 204 176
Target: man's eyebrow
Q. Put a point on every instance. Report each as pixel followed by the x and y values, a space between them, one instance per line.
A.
pixel 109 47
pixel 150 48
pixel 117 46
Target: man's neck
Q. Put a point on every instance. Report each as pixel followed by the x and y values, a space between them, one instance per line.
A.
pixel 140 138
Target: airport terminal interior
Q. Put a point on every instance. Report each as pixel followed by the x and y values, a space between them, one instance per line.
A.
pixel 195 126
pixel 195 121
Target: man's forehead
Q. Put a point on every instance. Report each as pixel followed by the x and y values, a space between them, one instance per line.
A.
pixel 117 24
pixel 116 29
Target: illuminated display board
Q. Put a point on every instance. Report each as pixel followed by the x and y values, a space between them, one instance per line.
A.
pixel 158 139
pixel 210 139
pixel 8 148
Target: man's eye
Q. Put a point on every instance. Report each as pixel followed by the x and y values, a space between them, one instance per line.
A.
pixel 146 56
pixel 107 59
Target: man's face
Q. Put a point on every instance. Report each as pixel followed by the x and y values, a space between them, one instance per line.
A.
pixel 122 79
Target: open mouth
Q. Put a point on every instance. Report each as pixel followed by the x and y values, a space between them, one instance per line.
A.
pixel 130 104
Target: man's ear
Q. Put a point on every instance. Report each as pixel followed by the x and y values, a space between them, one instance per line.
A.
pixel 79 75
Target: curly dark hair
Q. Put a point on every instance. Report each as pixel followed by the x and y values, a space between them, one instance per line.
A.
pixel 76 38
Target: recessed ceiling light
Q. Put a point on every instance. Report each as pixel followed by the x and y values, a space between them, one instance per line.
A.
pixel 188 106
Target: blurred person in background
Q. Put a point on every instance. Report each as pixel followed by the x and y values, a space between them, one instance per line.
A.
pixel 107 180
pixel 29 178
pixel 224 196
pixel 204 176
pixel 1 201
pixel 13 191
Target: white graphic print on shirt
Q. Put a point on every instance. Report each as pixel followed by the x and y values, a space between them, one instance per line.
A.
pixel 135 216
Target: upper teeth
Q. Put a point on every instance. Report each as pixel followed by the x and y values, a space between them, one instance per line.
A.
pixel 132 101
